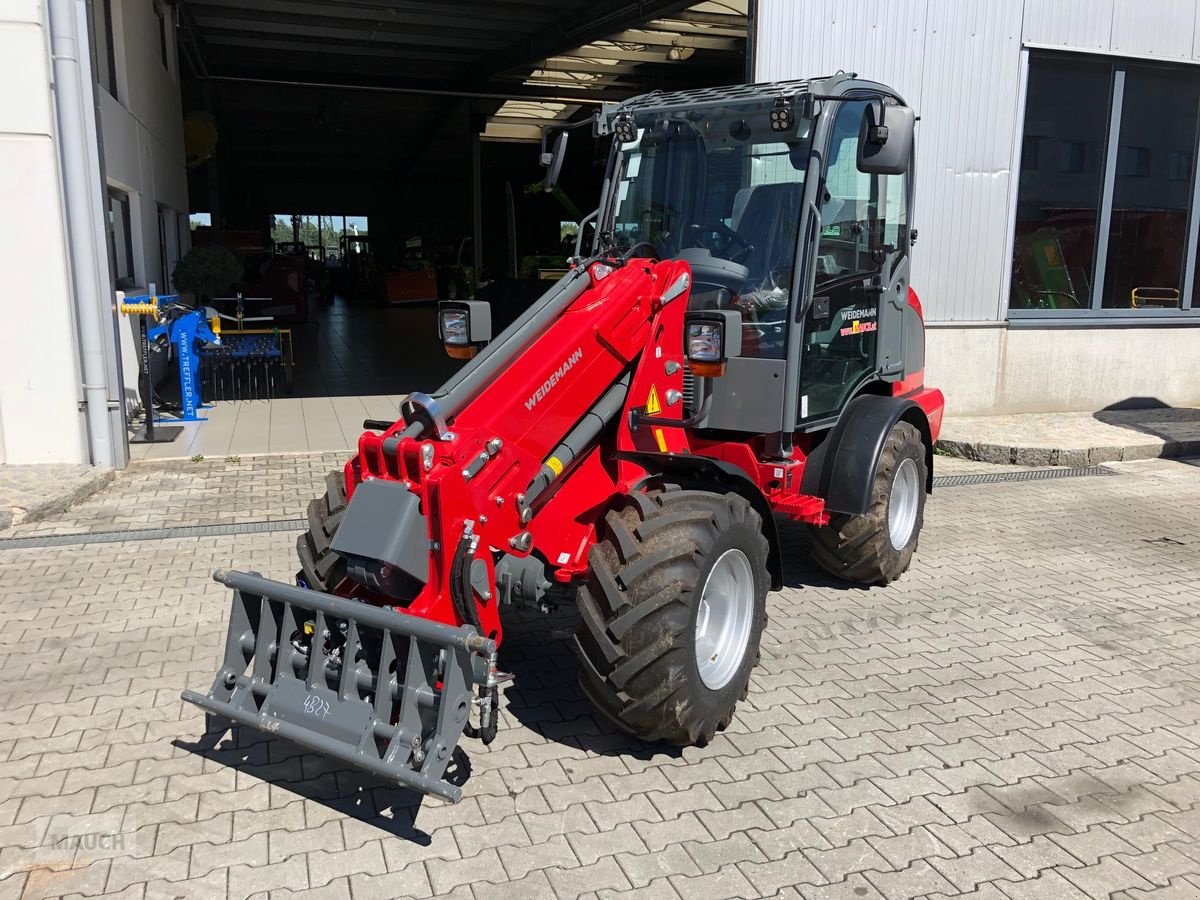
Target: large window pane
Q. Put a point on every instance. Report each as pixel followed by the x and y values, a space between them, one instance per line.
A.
pixel 1147 246
pixel 1062 174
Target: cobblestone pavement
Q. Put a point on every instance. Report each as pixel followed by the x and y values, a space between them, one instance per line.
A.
pixel 1017 717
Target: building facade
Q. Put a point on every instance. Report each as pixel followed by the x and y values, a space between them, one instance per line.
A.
pixel 94 195
pixel 1057 198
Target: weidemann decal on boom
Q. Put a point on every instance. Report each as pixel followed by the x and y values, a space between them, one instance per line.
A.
pixel 555 377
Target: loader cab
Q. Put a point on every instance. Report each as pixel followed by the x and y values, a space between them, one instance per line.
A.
pixel 790 203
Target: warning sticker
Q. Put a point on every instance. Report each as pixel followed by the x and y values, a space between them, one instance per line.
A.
pixel 555 465
pixel 661 439
pixel 653 407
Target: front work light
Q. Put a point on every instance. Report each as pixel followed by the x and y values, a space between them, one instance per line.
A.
pixel 625 128
pixel 781 115
pixel 711 337
pixel 464 326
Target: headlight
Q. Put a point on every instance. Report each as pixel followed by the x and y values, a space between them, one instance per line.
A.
pixel 456 327
pixel 705 342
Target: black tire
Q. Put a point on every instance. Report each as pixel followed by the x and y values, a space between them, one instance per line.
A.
pixel 860 548
pixel 638 609
pixel 320 568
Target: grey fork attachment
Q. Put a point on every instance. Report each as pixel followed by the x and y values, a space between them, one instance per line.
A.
pixel 374 687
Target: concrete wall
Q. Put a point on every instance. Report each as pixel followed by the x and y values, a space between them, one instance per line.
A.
pixel 999 370
pixel 40 384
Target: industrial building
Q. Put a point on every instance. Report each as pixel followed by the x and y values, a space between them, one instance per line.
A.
pixel 393 146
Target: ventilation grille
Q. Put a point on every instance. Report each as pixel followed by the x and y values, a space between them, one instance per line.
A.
pixel 689 391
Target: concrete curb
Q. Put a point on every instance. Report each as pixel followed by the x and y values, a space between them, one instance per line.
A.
pixel 1074 457
pixel 54 503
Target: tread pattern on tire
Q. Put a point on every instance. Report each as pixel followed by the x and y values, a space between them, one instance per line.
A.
pixel 636 629
pixel 321 568
pixel 859 548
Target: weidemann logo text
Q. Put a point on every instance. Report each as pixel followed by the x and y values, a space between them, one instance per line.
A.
pixel 555 378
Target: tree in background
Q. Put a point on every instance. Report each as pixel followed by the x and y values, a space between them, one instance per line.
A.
pixel 328 237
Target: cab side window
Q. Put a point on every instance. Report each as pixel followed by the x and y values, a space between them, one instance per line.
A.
pixel 863 220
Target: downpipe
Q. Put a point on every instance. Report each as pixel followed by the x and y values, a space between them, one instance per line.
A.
pixel 87 276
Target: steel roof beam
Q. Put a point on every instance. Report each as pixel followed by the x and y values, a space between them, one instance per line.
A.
pixel 357 10
pixel 668 39
pixel 347 37
pixel 483 91
pixel 558 37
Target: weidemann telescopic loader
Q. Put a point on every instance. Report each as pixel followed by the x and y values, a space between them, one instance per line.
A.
pixel 741 343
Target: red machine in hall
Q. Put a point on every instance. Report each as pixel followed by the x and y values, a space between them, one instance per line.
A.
pixel 742 342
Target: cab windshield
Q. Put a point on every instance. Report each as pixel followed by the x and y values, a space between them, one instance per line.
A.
pixel 724 192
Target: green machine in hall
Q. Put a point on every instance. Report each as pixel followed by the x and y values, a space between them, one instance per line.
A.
pixel 1041 276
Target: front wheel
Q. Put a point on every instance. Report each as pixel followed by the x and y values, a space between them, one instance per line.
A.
pixel 672 613
pixel 878 548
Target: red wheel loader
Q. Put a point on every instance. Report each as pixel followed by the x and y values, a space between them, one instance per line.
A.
pixel 741 343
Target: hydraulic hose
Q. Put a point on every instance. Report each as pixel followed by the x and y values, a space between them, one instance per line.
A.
pixel 462 594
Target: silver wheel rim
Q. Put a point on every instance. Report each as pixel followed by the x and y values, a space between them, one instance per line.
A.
pixel 903 503
pixel 724 618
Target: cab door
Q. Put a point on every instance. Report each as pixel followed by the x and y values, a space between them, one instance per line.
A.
pixel 861 265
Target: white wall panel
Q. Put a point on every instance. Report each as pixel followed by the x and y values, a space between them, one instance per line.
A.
pixel 964 156
pixel 879 39
pixel 958 64
pixel 39 373
pixel 1070 23
pixel 1196 33
pixel 1153 27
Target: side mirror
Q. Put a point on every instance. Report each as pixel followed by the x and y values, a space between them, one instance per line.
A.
pixel 553 160
pixel 885 139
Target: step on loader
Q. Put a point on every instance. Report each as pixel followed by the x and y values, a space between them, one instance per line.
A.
pixel 739 343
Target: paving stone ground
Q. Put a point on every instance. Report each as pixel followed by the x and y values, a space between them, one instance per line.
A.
pixel 1019 716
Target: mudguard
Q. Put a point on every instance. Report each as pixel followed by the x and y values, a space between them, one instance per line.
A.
pixel 842 469
pixel 704 468
pixel 373 687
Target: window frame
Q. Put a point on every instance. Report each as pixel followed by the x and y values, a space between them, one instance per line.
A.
pixel 118 196
pixel 105 72
pixel 1095 313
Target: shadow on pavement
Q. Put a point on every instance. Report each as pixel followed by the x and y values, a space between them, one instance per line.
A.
pixel 799 570
pixel 545 695
pixel 1149 415
pixel 282 764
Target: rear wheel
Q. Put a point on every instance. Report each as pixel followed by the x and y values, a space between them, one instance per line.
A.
pixel 672 613
pixel 878 548
pixel 320 568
